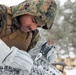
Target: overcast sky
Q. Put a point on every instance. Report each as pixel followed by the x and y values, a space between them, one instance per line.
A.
pixel 10 2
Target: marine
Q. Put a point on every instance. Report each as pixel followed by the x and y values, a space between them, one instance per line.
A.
pixel 44 12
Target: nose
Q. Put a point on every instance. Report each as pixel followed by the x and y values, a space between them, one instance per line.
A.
pixel 33 26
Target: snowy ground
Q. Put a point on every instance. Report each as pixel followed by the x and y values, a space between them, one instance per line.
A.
pixel 71 72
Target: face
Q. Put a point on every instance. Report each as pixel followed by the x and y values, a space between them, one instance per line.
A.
pixel 28 23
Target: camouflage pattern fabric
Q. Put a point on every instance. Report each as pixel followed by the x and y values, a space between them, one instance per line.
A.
pixel 8 70
pixel 5 33
pixel 2 16
pixel 43 10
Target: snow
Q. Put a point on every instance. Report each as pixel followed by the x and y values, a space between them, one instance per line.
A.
pixel 71 72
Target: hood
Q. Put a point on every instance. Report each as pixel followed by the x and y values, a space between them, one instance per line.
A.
pixel 43 10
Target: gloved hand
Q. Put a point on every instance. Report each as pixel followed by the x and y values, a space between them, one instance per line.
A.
pixel 42 53
pixel 47 52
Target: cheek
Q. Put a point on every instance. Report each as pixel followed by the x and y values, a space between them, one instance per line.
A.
pixel 33 27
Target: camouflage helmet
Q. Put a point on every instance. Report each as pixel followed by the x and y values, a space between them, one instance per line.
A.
pixel 43 10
